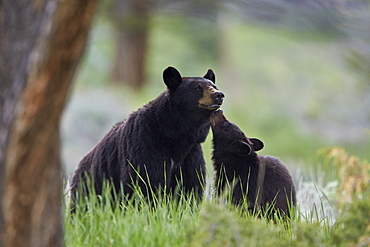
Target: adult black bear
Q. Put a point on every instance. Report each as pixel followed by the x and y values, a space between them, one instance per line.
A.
pixel 236 161
pixel 159 145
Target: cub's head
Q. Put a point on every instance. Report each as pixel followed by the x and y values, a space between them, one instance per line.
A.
pixel 193 93
pixel 229 139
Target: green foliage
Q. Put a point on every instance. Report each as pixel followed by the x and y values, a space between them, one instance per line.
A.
pixel 216 222
pixel 182 224
pixel 195 50
pixel 353 228
pixel 352 172
pixel 220 225
pixel 136 223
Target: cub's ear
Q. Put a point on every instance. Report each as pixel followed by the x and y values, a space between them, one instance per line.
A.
pixel 210 76
pixel 242 148
pixel 171 78
pixel 257 144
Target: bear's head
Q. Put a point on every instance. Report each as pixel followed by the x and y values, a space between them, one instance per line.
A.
pixel 193 93
pixel 228 138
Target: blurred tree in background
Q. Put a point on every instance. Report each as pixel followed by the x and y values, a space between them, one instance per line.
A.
pixel 131 22
pixel 130 19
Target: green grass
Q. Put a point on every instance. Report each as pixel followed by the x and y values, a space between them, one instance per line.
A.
pixel 212 223
pixel 130 224
pixel 216 222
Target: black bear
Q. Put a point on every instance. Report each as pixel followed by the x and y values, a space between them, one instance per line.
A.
pixel 159 145
pixel 258 180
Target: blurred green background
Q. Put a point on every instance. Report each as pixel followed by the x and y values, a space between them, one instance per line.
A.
pixel 295 73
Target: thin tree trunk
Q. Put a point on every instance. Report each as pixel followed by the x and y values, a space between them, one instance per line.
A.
pixel 33 187
pixel 131 20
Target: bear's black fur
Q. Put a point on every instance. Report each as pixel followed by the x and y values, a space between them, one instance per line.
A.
pixel 160 141
pixel 235 160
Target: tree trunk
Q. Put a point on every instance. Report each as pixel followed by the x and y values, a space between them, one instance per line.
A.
pixel 131 20
pixel 43 42
pixel 17 39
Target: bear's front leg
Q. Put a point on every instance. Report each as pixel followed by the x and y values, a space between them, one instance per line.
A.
pixel 190 175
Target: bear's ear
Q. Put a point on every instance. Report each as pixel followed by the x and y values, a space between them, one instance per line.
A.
pixel 243 148
pixel 210 76
pixel 257 144
pixel 171 78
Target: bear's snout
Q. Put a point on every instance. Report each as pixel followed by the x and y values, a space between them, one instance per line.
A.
pixel 217 117
pixel 212 99
pixel 218 97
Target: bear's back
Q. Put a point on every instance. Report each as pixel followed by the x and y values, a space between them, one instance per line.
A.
pixel 278 183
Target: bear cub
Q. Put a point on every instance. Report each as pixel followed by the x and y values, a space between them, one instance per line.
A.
pixel 236 163
pixel 158 147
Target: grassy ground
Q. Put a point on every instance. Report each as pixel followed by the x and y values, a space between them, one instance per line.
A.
pixel 212 223
pixel 215 222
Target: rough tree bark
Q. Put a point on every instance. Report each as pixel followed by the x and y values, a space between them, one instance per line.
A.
pixel 17 39
pixel 131 20
pixel 41 45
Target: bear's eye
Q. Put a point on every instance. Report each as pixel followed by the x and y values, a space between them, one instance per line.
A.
pixel 199 88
